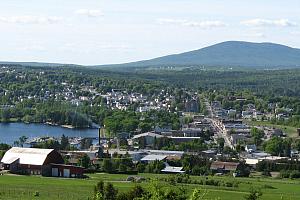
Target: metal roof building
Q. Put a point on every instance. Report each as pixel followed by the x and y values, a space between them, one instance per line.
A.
pixel 170 169
pixel 150 158
pixel 31 156
pixel 30 160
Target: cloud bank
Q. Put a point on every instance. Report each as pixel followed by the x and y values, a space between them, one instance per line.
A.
pixel 199 24
pixel 269 23
pixel 89 12
pixel 30 19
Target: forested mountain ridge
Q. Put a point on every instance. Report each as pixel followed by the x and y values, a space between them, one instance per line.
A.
pixel 231 54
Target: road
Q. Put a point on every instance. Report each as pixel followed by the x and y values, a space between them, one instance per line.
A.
pixel 220 131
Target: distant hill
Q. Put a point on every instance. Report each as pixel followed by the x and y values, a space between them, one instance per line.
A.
pixel 36 64
pixel 225 54
pixel 232 53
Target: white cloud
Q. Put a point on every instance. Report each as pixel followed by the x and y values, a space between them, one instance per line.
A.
pixel 255 35
pixel 267 22
pixel 199 24
pixel 34 47
pixel 30 19
pixel 89 13
pixel 295 33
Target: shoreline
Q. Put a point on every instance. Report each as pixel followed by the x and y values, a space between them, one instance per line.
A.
pixel 49 124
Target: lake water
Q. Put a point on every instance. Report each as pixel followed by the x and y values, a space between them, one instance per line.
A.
pixel 10 132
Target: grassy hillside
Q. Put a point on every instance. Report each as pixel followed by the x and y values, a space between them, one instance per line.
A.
pixel 24 187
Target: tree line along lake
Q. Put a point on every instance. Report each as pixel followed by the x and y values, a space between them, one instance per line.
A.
pixel 10 132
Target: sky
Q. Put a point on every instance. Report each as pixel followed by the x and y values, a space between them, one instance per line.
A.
pixel 95 32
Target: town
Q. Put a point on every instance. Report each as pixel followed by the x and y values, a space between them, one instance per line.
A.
pixel 145 129
pixel 150 100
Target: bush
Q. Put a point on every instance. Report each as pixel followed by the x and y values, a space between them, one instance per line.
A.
pixel 266 173
pixel 289 174
pixel 284 174
pixel 294 174
pixel 36 194
pixel 228 184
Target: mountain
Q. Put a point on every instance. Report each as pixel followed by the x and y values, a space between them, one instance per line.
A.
pixel 232 53
pixel 225 54
pixel 36 64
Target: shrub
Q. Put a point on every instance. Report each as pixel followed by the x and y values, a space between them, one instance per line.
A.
pixel 294 174
pixel 36 194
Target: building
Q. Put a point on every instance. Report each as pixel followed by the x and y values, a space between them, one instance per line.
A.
pixel 173 170
pixel 150 158
pixel 192 106
pixel 45 162
pixel 147 139
pixel 236 138
pixel 250 148
pixel 224 167
pixel 178 140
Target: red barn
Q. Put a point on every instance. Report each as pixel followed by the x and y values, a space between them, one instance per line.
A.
pixel 45 162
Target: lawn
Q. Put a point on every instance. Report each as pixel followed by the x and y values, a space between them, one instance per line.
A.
pixel 24 187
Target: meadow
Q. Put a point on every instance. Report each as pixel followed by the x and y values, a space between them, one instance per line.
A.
pixel 36 187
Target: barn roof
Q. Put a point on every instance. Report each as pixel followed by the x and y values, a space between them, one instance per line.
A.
pixel 230 166
pixel 28 156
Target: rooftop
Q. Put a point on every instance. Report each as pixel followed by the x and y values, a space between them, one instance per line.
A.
pixel 29 156
pixel 153 158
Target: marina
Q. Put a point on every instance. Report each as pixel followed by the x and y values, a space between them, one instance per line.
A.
pixel 10 132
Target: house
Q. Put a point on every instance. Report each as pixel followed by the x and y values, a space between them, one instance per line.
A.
pixel 258 115
pixel 223 167
pixel 45 162
pixel 247 114
pixel 250 148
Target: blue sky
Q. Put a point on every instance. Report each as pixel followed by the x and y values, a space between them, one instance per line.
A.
pixel 116 31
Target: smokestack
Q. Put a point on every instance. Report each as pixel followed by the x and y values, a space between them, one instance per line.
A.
pixel 99 135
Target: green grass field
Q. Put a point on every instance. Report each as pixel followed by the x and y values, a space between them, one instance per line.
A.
pixel 24 187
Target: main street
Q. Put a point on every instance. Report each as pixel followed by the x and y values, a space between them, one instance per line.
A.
pixel 218 127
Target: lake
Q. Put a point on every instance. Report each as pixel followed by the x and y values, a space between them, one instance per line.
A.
pixel 10 132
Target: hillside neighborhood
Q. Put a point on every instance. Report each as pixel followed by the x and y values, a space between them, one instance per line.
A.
pixel 222 139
